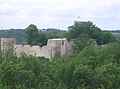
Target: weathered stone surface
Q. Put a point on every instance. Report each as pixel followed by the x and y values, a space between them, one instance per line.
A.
pixel 7 43
pixel 58 45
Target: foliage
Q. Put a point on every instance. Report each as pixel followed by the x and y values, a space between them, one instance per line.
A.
pixel 53 31
pixel 81 41
pixel 35 37
pixel 108 37
pixel 91 30
pixel 83 32
pixel 32 35
pixel 19 34
pixel 93 68
pixel 42 39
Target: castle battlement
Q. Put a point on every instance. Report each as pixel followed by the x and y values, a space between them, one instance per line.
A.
pixel 56 45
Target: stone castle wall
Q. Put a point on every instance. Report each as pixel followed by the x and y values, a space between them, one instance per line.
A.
pixel 32 50
pixel 7 43
pixel 61 46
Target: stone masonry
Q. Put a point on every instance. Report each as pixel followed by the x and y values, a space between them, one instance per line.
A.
pixel 53 47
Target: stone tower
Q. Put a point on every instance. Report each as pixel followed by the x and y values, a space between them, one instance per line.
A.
pixel 7 43
pixel 61 46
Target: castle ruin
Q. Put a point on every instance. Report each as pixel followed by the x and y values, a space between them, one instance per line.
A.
pixel 53 47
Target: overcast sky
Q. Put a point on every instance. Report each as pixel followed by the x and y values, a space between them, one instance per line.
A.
pixel 59 13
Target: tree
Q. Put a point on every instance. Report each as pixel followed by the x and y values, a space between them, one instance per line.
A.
pixel 32 35
pixel 91 30
pixel 42 39
pixel 94 67
pixel 80 28
pixel 80 42
pixel 108 37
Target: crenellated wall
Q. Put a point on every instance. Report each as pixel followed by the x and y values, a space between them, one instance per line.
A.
pixel 32 50
pixel 61 46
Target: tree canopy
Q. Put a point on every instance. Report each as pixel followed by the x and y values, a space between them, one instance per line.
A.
pixel 93 68
pixel 32 35
pixel 91 30
pixel 83 32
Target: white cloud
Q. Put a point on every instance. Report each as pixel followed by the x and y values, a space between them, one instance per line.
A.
pixel 5 9
pixel 58 13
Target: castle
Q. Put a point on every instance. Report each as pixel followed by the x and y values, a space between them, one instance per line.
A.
pixel 53 47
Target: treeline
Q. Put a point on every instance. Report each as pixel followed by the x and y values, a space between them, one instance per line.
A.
pixel 34 36
pixel 19 34
pixel 112 31
pixel 93 68
pixel 84 32
pixel 80 32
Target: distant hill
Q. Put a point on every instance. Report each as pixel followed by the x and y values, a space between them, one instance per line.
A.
pixel 19 34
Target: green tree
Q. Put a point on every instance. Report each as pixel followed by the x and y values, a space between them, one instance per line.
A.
pixel 42 39
pixel 91 30
pixel 32 35
pixel 108 37
pixel 80 28
pixel 80 42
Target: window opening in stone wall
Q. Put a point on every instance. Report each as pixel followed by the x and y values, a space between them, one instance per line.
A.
pixel 62 42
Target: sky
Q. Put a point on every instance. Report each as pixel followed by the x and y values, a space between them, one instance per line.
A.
pixel 59 14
